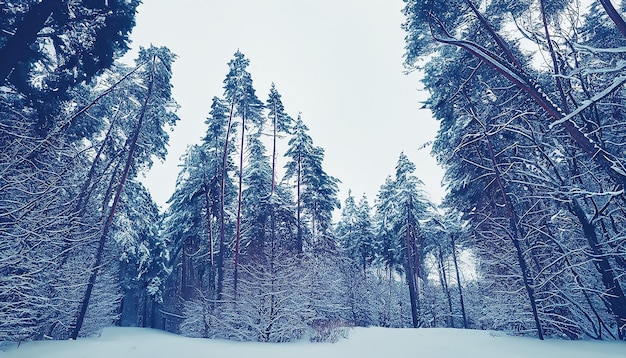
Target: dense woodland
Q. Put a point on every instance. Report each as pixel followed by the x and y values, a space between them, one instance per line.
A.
pixel 529 239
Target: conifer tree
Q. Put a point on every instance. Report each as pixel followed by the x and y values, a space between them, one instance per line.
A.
pixel 316 191
pixel 401 205
pixel 355 232
pixel 256 196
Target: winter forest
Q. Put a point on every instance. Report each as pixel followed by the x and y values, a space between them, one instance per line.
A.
pixel 530 238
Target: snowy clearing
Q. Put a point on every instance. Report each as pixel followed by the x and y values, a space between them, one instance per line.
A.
pixel 362 343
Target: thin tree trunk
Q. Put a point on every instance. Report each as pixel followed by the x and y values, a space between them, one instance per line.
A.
pixel 410 275
pixel 516 231
pixel 591 236
pixel 274 153
pixel 614 293
pixel 444 286
pixel 416 263
pixel 492 32
pixel 239 200
pixel 584 290
pixel 144 308
pixel 273 208
pixel 209 220
pixel 85 192
pixel 555 65
pixel 458 281
pixel 299 207
pixel 220 255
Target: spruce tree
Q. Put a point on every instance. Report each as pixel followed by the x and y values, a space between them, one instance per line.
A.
pixel 316 191
pixel 401 205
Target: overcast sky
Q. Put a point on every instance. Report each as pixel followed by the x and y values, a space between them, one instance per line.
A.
pixel 339 62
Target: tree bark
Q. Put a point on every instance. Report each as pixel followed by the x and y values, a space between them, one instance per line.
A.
pixel 517 232
pixel 207 201
pixel 107 226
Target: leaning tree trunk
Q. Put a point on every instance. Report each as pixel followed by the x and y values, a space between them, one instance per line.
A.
pixel 515 74
pixel 615 16
pixel 517 232
pixel 109 221
pixel 614 293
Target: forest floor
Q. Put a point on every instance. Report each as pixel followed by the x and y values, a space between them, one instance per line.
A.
pixel 361 343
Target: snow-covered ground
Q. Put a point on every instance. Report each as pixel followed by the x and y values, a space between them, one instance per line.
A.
pixel 362 343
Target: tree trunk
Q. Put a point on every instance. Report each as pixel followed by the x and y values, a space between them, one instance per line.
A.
pixel 299 207
pixel 555 64
pixel 207 203
pixel 410 275
pixel 610 164
pixel 220 255
pixel 516 231
pixel 615 16
pixel 444 285
pixel 274 154
pixel 458 281
pixel 239 202
pixel 410 278
pixel 614 293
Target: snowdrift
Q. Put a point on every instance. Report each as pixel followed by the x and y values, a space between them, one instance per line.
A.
pixel 117 342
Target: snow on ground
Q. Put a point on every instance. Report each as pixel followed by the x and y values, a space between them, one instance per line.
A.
pixel 363 343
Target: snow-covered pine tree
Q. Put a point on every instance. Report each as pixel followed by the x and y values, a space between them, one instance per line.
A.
pixel 316 191
pixel 400 207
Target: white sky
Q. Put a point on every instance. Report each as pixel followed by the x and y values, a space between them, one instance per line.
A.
pixel 339 62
